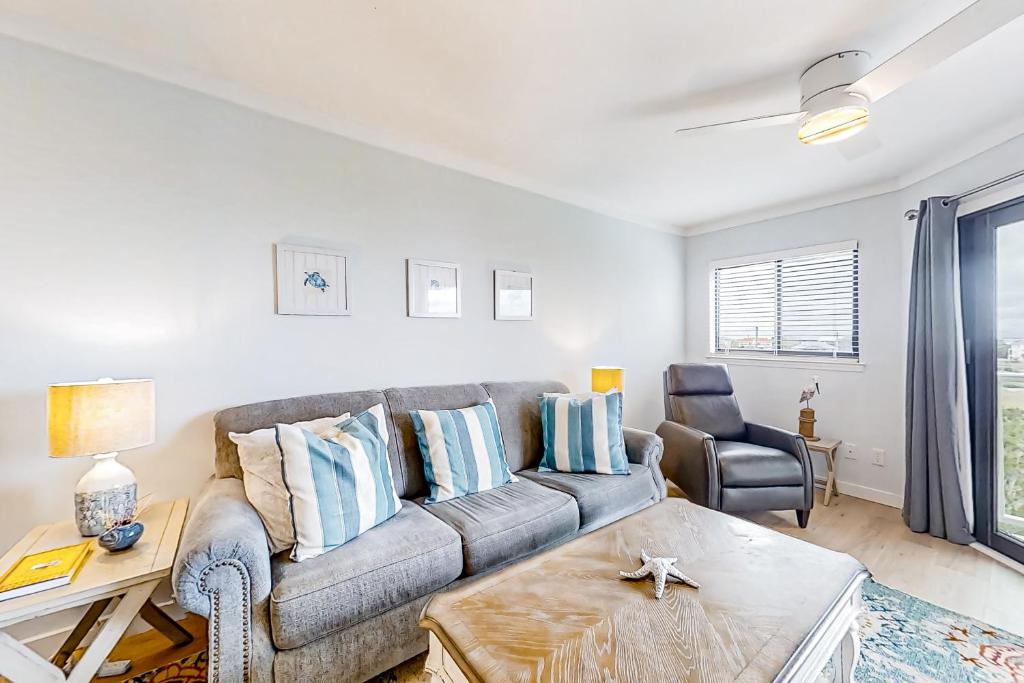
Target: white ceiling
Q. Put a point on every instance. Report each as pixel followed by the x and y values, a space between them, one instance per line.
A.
pixel 570 98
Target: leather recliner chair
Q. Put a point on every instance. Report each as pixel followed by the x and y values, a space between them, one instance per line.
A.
pixel 722 462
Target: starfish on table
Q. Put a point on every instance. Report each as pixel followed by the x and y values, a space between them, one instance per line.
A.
pixel 661 568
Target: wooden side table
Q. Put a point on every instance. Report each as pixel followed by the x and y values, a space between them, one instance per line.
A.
pixel 828 447
pixel 130 575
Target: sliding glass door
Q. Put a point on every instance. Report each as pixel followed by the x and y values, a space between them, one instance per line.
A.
pixel 992 277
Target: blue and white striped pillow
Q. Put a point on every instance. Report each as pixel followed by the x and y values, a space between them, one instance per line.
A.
pixel 583 434
pixel 462 451
pixel 340 485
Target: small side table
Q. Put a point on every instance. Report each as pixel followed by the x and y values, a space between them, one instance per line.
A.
pixel 828 447
pixel 130 575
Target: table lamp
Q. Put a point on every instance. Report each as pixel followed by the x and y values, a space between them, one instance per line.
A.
pixel 98 419
pixel 604 378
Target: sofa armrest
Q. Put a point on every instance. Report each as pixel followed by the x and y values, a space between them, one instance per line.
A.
pixel 691 462
pixel 646 448
pixel 222 572
pixel 642 448
pixel 790 442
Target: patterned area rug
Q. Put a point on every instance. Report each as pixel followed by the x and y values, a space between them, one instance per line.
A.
pixel 906 640
pixel 191 669
pixel 903 640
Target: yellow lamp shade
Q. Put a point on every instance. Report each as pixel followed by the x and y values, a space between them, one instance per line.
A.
pixel 104 416
pixel 604 379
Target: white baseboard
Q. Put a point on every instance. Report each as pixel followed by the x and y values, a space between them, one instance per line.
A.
pixel 865 492
pixel 999 557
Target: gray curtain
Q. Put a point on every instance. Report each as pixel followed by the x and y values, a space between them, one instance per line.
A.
pixel 937 452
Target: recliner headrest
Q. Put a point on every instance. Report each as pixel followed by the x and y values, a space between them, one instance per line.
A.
pixel 694 379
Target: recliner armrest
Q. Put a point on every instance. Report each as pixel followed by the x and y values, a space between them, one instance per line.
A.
pixel 775 437
pixel 691 462
pixel 790 442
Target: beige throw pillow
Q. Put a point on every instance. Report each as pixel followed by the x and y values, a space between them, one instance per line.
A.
pixel 260 459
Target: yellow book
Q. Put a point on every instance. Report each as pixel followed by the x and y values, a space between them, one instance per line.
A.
pixel 44 570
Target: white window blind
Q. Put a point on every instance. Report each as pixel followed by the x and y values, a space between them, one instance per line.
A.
pixel 804 304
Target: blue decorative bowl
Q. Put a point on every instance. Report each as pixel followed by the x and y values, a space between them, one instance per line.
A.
pixel 121 537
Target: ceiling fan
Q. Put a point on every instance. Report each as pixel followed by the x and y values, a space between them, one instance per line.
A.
pixel 836 92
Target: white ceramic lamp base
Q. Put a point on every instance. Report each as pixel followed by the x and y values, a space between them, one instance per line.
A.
pixel 107 494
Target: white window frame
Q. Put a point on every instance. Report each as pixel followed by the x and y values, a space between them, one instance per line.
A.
pixel 852 364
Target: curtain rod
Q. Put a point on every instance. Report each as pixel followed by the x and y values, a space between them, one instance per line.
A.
pixel 912 213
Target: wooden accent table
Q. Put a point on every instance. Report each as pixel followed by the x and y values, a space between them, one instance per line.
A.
pixel 828 447
pixel 130 575
pixel 770 607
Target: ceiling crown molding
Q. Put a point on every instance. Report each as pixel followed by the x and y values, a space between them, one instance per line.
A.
pixel 986 140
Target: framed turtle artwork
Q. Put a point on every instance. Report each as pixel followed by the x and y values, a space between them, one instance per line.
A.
pixel 312 281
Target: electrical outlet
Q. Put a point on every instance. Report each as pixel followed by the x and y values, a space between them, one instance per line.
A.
pixel 850 451
pixel 878 457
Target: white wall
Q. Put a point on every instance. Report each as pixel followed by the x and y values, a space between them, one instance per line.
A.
pixel 138 221
pixel 866 407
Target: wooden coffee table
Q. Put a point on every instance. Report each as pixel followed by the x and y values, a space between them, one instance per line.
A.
pixel 770 607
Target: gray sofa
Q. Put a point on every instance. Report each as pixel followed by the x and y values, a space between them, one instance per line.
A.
pixel 352 613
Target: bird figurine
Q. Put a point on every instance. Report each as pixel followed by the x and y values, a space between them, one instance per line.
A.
pixel 661 568
pixel 810 391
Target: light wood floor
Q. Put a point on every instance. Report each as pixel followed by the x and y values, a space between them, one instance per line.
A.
pixel 956 577
pixel 149 650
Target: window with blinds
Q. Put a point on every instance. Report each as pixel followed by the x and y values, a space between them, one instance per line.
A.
pixel 802 304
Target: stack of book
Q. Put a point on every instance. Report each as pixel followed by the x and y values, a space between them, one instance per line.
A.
pixel 44 570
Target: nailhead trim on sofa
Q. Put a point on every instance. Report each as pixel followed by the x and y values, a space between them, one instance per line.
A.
pixel 214 627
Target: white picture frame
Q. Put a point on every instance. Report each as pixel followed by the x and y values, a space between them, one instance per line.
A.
pixel 513 295
pixel 434 288
pixel 312 281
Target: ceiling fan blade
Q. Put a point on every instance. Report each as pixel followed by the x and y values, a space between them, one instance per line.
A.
pixel 744 124
pixel 972 24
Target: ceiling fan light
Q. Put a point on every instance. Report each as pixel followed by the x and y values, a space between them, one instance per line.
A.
pixel 833 125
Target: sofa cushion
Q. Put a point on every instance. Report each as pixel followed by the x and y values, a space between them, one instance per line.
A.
pixel 602 498
pixel 518 408
pixel 404 400
pixel 506 523
pixel 408 556
pixel 340 485
pixel 583 433
pixel 744 464
pixel 260 459
pixel 462 451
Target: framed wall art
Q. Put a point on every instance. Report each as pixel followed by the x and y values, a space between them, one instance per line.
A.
pixel 513 295
pixel 434 289
pixel 312 281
